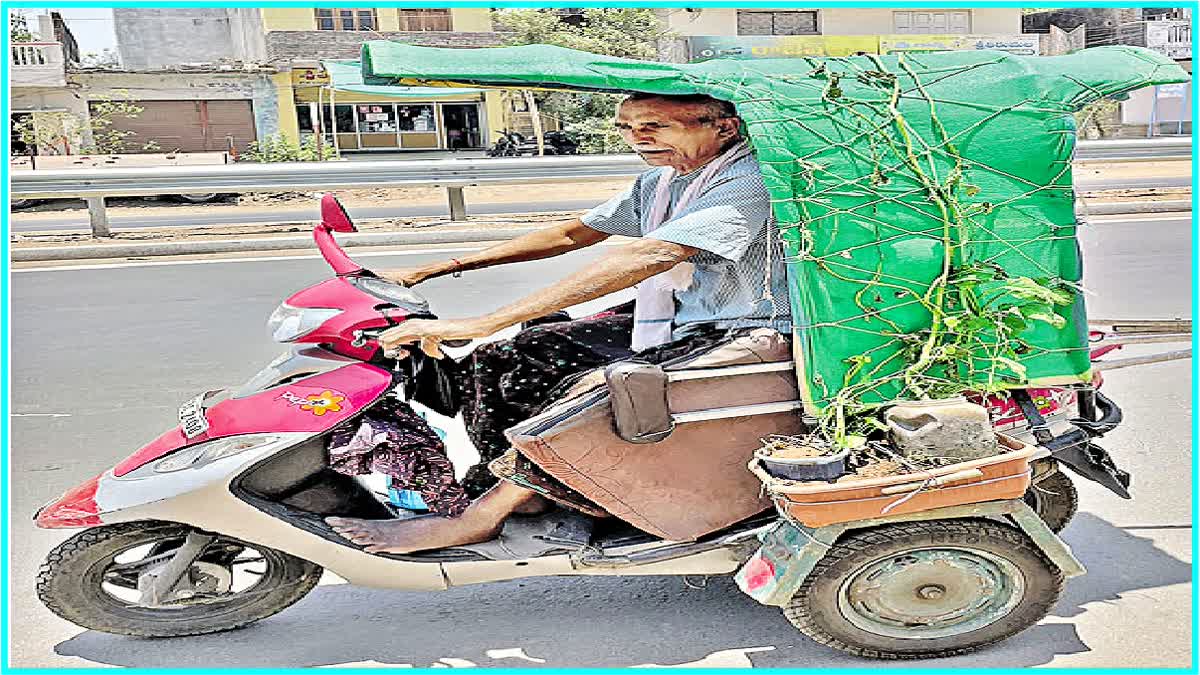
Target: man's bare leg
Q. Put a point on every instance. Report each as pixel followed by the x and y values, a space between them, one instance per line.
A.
pixel 482 521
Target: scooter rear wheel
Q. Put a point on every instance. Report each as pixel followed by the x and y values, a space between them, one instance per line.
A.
pixel 92 580
pixel 925 589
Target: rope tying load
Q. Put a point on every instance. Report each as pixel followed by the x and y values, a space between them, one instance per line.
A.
pixel 925 201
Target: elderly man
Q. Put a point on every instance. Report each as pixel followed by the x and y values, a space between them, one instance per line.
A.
pixel 706 261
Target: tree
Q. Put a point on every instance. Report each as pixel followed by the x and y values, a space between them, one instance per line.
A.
pixel 18 28
pixel 627 33
pixel 56 131
pixel 105 58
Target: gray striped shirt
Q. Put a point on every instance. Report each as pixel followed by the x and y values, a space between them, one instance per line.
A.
pixel 740 257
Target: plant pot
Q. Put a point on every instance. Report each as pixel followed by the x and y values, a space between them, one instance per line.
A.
pixel 826 467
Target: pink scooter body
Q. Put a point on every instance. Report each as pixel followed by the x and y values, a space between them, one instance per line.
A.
pixel 311 405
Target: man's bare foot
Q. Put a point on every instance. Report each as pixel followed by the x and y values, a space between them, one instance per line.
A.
pixel 413 534
pixel 536 506
pixel 482 521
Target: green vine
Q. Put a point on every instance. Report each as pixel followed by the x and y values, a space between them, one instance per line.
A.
pixel 977 311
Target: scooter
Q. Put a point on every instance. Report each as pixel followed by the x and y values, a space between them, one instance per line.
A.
pixel 219 522
pixel 513 144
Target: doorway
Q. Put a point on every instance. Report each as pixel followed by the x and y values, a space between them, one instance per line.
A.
pixel 461 125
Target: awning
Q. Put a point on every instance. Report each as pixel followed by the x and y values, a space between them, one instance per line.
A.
pixel 347 76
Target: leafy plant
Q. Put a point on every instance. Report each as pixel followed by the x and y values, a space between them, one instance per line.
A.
pixel 54 131
pixel 624 32
pixel 18 28
pixel 977 311
pixel 280 148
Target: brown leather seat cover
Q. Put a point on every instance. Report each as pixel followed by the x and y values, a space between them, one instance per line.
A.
pixel 695 481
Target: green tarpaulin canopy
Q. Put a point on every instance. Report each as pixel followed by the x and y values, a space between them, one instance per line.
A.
pixel 348 76
pixel 925 201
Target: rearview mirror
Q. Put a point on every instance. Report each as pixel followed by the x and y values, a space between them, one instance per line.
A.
pixel 334 215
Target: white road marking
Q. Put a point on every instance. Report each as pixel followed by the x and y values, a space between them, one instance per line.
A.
pixel 211 261
pixel 513 653
pixel 726 658
pixel 1157 218
pixel 40 415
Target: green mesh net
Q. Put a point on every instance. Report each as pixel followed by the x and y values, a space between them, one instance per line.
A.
pixel 925 201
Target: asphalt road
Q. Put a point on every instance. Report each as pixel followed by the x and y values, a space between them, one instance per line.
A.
pixel 101 358
pixel 77 219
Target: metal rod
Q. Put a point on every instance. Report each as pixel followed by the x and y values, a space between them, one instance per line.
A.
pixel 736 411
pixel 1142 338
pixel 730 371
pixel 1142 360
pixel 98 215
pixel 1146 325
pixel 458 203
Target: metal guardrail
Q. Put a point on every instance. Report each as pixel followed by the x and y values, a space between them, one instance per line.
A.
pixel 95 185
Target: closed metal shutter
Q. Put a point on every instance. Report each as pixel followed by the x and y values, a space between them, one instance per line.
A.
pixel 189 126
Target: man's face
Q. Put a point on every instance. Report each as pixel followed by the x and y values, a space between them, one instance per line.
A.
pixel 668 133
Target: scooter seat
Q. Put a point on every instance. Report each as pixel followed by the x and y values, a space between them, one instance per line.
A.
pixel 692 482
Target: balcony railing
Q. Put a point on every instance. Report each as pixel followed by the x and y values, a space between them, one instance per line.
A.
pixel 37 64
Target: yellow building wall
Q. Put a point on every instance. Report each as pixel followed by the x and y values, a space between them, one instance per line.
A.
pixel 389 18
pixel 494 106
pixel 469 19
pixel 289 18
pixel 289 125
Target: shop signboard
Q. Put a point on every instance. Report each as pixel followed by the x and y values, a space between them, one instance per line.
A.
pixel 704 47
pixel 1025 45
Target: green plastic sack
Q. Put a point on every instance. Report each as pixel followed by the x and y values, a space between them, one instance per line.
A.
pixel 875 165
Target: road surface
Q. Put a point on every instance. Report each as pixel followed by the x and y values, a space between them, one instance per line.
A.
pixel 103 355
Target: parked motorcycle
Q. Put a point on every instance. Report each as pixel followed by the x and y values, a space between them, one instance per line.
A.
pixel 219 522
pixel 513 144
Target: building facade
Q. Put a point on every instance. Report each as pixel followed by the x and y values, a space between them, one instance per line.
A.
pixel 1152 111
pixel 298 39
pixel 717 32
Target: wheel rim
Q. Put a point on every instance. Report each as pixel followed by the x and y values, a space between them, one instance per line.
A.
pixel 210 587
pixel 931 592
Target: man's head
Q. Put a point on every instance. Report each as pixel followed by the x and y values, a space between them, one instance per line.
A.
pixel 684 132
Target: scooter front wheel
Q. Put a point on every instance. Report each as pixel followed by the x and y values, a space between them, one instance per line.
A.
pixel 101 579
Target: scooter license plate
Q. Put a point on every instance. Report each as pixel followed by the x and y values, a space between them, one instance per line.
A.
pixel 192 421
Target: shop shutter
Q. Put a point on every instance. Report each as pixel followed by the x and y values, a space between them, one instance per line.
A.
pixel 190 126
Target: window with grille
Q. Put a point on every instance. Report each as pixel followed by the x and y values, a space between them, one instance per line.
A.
pixel 425 19
pixel 931 23
pixel 347 19
pixel 777 23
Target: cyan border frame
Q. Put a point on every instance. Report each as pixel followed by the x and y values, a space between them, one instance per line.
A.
pixel 5 289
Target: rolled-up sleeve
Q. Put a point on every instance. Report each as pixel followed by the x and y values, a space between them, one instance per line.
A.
pixel 620 215
pixel 724 220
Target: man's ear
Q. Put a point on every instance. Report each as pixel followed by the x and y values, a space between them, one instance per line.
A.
pixel 729 126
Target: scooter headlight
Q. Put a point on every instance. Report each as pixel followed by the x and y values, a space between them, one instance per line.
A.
pixel 392 292
pixel 212 451
pixel 289 323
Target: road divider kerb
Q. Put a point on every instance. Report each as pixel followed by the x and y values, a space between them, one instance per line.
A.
pixel 119 249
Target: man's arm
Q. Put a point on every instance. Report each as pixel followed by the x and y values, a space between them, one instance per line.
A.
pixel 544 243
pixel 622 268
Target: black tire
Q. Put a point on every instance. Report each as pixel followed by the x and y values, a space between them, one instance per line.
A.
pixel 824 607
pixel 70 582
pixel 1054 498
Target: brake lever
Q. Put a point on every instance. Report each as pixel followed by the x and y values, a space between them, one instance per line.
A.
pixel 361 337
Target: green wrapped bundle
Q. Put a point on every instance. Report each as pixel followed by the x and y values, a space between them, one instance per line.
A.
pixel 925 201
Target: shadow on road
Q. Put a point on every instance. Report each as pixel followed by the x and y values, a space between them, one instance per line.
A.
pixel 603 622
